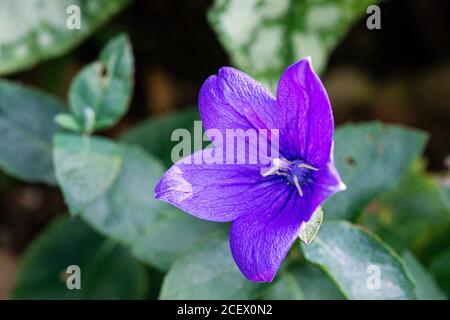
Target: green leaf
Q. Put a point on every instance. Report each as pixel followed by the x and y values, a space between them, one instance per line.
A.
pixel 67 121
pixel 66 242
pixel 111 187
pixel 34 30
pixel 86 168
pixel 172 236
pixel 155 134
pixel 360 264
pixel 100 94
pixel 208 271
pixel 409 216
pixel 303 282
pixel 371 158
pixel 445 192
pixel 308 230
pixel 440 271
pixel 31 31
pixel 5 182
pixel 426 288
pixel 264 37
pixel 26 130
pixel 128 208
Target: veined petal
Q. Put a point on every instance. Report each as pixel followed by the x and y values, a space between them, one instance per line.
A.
pixel 260 241
pixel 305 115
pixel 327 183
pixel 217 192
pixel 233 101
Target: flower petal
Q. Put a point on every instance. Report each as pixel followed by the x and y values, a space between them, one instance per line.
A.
pixel 305 115
pixel 260 241
pixel 327 183
pixel 233 100
pixel 217 192
pixel 238 106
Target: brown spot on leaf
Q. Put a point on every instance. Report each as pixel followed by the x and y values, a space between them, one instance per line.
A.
pixel 103 70
pixel 350 161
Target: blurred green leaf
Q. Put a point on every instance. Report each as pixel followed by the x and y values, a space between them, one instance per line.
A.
pixel 100 94
pixel 172 236
pixel 263 37
pixel 426 288
pixel 208 271
pixel 439 268
pixel 26 130
pixel 433 243
pixel 111 186
pixel 371 158
pixel 154 134
pixel 68 121
pixel 5 181
pixel 34 30
pixel 410 215
pixel 303 282
pixel 445 191
pixel 107 269
pixel 361 265
pixel 86 167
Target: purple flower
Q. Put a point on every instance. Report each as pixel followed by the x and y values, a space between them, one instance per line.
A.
pixel 267 208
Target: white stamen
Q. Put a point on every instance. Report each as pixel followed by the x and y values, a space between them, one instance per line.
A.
pixel 276 162
pixel 307 166
pixel 297 184
pixel 271 171
pixel 281 163
pixel 278 165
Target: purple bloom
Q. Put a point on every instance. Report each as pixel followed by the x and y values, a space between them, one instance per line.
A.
pixel 266 209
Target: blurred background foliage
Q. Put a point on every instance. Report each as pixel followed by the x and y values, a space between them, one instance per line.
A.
pixel 399 74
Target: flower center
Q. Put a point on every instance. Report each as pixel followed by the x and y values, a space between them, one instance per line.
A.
pixel 297 172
